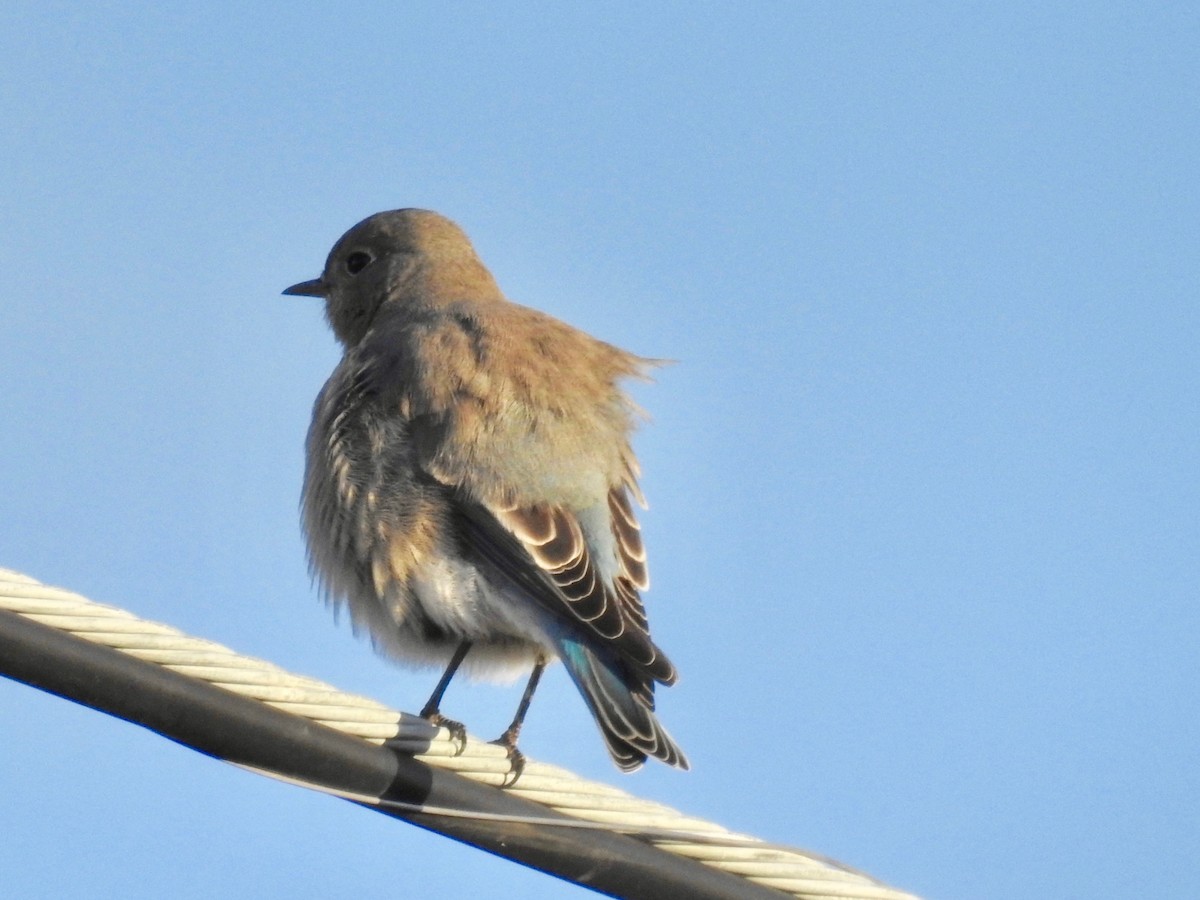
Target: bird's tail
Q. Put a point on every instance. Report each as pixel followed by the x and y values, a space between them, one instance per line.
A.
pixel 622 705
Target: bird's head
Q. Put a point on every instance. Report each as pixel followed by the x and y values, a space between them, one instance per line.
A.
pixel 408 257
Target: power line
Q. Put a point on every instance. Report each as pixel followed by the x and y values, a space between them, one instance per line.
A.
pixel 259 716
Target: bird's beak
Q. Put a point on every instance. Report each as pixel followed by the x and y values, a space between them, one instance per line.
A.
pixel 314 288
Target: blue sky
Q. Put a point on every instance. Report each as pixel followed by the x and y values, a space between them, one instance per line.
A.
pixel 923 482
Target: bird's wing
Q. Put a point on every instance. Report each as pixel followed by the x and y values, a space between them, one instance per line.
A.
pixel 520 416
pixel 544 551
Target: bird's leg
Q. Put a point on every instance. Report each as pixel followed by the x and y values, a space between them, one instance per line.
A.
pixel 508 740
pixel 432 709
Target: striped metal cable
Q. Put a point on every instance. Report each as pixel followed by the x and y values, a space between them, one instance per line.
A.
pixel 590 804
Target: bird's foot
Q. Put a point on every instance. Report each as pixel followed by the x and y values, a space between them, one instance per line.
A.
pixel 516 759
pixel 458 731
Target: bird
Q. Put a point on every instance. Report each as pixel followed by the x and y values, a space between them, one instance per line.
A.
pixel 469 483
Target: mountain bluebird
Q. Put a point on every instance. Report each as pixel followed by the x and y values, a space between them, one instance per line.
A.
pixel 469 482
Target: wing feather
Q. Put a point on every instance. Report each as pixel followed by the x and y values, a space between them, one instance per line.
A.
pixel 543 550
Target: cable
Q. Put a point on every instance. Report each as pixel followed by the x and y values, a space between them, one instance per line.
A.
pixel 245 708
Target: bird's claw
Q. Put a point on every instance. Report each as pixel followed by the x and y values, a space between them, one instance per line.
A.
pixel 516 759
pixel 458 731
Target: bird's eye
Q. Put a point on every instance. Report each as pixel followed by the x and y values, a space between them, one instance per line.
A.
pixel 357 261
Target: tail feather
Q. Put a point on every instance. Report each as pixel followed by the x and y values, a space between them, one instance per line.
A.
pixel 622 705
